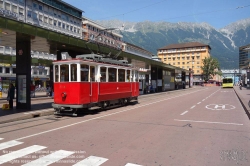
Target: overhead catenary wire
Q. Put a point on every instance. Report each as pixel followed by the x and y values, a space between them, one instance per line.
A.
pixel 213 11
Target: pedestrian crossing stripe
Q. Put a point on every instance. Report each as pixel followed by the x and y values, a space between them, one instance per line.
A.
pixel 49 159
pixel 129 164
pixel 9 144
pixel 20 153
pixel 91 160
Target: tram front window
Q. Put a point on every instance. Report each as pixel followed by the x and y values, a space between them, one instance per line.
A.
pixel 64 75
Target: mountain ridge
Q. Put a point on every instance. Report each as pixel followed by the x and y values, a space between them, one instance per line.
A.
pixel 225 42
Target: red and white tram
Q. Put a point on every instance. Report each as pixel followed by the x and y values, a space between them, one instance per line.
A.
pixel 91 81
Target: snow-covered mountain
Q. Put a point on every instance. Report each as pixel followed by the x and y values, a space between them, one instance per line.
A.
pixel 224 42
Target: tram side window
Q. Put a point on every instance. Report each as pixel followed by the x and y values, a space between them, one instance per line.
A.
pixel 121 75
pixel 56 74
pixel 128 76
pixel 112 74
pixel 103 74
pixel 73 72
pixel 64 69
pixel 84 72
pixel 92 73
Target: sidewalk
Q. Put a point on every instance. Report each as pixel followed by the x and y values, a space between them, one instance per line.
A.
pixel 37 109
pixel 244 97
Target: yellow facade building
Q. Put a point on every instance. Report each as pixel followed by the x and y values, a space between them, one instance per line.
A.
pixel 186 56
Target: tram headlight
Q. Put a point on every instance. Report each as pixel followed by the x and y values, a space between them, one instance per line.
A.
pixel 63 95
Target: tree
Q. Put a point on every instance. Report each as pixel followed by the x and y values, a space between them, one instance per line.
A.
pixel 210 67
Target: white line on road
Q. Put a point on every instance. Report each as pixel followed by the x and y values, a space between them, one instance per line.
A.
pixel 208 122
pixel 91 160
pixel 20 153
pixel 1 138
pixel 203 99
pixel 192 107
pixel 184 113
pixel 129 164
pixel 9 144
pixel 99 117
pixel 49 159
pixel 199 103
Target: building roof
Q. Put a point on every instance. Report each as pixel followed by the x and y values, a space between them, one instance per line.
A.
pixel 184 45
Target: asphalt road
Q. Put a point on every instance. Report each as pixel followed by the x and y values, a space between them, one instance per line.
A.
pixel 198 127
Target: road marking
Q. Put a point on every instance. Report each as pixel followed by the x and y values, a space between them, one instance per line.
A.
pixel 129 164
pixel 220 107
pixel 20 153
pixel 91 160
pixel 49 159
pixel 208 122
pixel 1 138
pixel 9 144
pixel 203 99
pixel 199 103
pixel 192 107
pixel 184 113
pixel 125 110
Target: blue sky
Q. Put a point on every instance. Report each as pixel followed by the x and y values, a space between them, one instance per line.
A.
pixel 217 13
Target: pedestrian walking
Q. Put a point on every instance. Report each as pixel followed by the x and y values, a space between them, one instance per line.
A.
pixel 11 95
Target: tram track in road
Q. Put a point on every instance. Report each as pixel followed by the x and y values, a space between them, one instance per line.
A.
pixel 29 123
pixel 85 119
pixel 45 120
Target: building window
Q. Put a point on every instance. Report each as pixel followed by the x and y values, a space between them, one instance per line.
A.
pixel 7 6
pixel 34 71
pixel 183 63
pixel 1 4
pixel 1 69
pixel 198 71
pixel 29 13
pixel 45 72
pixel 34 5
pixel 46 19
pixel 50 21
pixel 7 70
pixel 14 70
pixel 34 15
pixel 14 9
pixel 21 11
pixel 40 17
pixel 55 22
pixel 183 58
pixel 178 63
pixel 40 7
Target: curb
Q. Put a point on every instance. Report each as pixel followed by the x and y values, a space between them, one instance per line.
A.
pixel 245 106
pixel 24 116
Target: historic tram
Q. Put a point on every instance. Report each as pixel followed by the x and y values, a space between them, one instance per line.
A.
pixel 91 81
